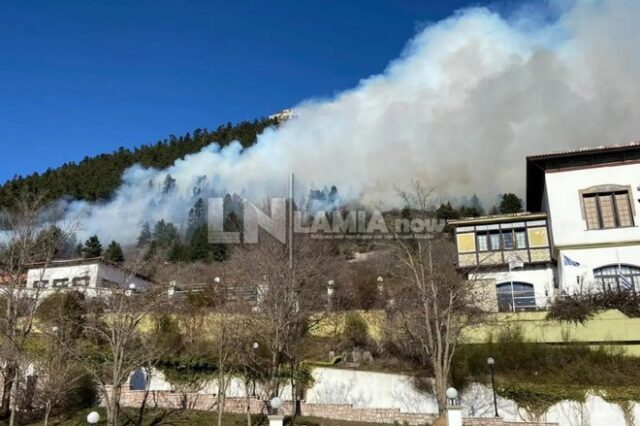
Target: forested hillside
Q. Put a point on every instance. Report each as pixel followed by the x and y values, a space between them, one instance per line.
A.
pixel 96 178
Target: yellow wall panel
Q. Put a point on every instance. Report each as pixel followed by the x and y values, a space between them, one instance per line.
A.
pixel 538 237
pixel 466 242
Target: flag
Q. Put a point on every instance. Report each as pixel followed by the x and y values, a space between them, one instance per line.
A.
pixel 567 261
pixel 624 282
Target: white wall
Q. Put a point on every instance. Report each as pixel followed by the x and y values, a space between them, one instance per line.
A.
pixel 592 258
pixel 565 208
pixel 540 277
pixel 366 389
pixel 69 272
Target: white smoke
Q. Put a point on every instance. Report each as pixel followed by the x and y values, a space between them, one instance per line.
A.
pixel 460 109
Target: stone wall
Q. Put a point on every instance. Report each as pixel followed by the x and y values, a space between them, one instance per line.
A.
pixel 346 412
pixel 493 421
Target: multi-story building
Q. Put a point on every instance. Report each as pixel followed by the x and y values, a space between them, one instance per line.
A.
pixel 583 233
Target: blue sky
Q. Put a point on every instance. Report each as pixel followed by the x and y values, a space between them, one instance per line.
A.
pixel 78 78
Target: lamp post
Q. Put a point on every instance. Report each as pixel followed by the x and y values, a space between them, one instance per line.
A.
pixel 255 348
pixel 275 419
pixel 331 289
pixel 380 287
pixel 131 290
pixel 454 410
pixel 491 362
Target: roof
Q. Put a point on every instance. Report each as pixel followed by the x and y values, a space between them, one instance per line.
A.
pixel 538 165
pixel 586 150
pixel 83 261
pixel 497 218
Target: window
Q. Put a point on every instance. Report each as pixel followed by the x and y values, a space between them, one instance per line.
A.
pixel 605 210
pixel 80 282
pixel 515 296
pixel 521 239
pixel 616 277
pixel 41 284
pixel 507 239
pixel 494 238
pixel 483 242
pixel 61 283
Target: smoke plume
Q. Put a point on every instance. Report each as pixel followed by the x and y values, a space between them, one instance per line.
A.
pixel 461 107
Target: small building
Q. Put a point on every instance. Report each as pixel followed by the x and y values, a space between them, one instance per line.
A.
pixel 90 276
pixel 510 252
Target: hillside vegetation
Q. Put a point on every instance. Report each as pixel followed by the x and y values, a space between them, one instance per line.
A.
pixel 96 178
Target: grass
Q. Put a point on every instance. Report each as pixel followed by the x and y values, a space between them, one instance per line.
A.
pixel 191 418
pixel 537 375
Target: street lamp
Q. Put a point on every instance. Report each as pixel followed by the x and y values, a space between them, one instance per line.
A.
pixel 132 288
pixel 93 417
pixel 331 289
pixel 452 396
pixel 274 419
pixel 255 348
pixel 491 362
pixel 216 280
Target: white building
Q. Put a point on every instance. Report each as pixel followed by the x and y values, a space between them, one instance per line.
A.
pixel 586 217
pixel 90 276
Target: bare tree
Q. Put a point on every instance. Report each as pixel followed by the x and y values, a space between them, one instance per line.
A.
pixel 114 344
pixel 288 295
pixel 32 237
pixel 58 376
pixel 433 301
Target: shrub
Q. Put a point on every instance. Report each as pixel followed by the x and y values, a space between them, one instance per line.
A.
pixel 356 330
pixel 579 308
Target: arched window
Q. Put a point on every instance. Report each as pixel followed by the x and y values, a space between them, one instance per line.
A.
pixel 515 296
pixel 617 277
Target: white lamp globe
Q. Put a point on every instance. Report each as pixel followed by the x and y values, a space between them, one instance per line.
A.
pixel 276 403
pixel 216 280
pixel 93 417
pixel 490 361
pixel 452 393
pixel 132 286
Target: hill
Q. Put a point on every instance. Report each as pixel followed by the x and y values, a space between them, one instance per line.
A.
pixel 96 178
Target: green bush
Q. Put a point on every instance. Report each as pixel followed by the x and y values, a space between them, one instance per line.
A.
pixel 519 361
pixel 356 330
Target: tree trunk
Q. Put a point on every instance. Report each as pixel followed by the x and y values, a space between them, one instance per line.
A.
pixel 47 411
pixel 441 389
pixel 14 398
pixel 5 409
pixel 247 384
pixel 143 406
pixel 113 413
pixel 221 392
pixel 293 394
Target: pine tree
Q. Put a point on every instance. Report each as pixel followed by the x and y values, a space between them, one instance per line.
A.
pixel 145 235
pixel 197 216
pixel 446 212
pixel 199 244
pixel 114 253
pixel 510 203
pixel 165 234
pixel 92 247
